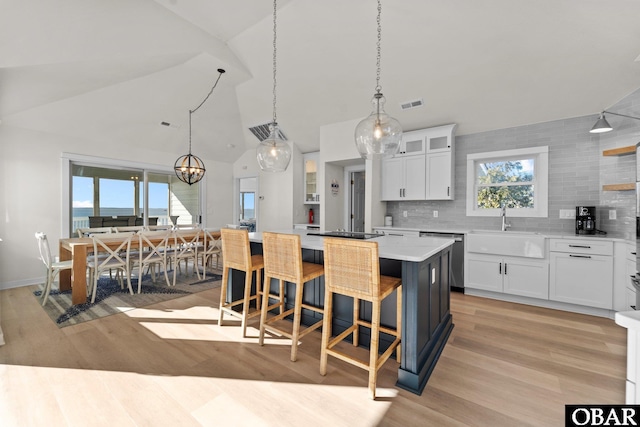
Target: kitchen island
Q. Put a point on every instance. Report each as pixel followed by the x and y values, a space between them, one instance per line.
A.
pixel 423 263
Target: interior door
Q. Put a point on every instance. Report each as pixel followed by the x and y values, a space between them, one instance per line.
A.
pixel 357 201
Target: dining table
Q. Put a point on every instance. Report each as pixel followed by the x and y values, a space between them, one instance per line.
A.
pixel 77 249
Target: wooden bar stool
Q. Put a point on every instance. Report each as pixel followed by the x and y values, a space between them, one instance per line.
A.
pixel 352 268
pixel 283 261
pixel 237 255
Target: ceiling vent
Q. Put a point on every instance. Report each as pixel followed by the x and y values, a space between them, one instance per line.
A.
pixel 412 104
pixel 262 132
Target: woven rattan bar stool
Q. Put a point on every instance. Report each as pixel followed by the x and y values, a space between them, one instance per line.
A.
pixel 283 261
pixel 352 268
pixel 237 255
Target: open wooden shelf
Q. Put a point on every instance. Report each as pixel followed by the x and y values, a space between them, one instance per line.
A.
pixel 619 187
pixel 621 151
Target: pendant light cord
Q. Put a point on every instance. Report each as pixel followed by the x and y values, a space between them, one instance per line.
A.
pixel 221 71
pixel 275 122
pixel 378 87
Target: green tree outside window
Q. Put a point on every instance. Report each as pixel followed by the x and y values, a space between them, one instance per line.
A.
pixel 505 183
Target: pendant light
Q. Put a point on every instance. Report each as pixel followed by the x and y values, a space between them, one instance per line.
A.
pixel 189 168
pixel 379 134
pixel 274 153
pixel 602 125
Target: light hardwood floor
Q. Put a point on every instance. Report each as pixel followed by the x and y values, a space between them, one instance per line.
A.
pixel 171 365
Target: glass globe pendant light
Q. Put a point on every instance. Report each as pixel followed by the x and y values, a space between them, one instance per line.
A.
pixel 274 153
pixel 379 134
pixel 189 168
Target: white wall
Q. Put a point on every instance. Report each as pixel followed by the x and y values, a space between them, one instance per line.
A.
pixel 31 193
pixel 279 195
pixel 338 150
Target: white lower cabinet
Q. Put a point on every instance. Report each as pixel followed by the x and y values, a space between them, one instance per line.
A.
pixel 582 273
pixel 510 275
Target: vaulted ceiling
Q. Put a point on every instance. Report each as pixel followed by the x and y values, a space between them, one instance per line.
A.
pixel 105 70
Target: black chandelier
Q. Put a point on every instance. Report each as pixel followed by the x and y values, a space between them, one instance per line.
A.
pixel 189 168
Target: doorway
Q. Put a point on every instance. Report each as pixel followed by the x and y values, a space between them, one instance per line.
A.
pixel 356 201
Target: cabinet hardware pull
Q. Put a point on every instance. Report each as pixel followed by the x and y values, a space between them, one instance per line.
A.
pixel 579 256
pixel 580 246
pixel 633 253
pixel 448 190
pixel 500 269
pixel 400 192
pixel 505 268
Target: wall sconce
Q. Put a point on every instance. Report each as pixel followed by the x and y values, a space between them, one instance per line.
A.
pixel 602 125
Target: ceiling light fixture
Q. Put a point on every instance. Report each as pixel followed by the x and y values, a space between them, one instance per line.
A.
pixel 189 168
pixel 274 153
pixel 379 134
pixel 602 125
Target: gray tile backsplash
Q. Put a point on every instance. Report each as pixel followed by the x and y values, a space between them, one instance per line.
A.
pixel 577 172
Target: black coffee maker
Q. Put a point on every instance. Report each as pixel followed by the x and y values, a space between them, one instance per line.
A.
pixel 585 220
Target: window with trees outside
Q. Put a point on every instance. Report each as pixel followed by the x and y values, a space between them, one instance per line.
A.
pixel 517 179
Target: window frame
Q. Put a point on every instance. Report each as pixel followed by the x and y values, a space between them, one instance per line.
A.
pixel 67 159
pixel 540 181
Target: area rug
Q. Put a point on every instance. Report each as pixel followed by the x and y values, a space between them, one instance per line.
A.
pixel 110 299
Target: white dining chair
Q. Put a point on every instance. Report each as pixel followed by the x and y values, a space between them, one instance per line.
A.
pixel 185 248
pixel 156 248
pixel 212 247
pixel 117 248
pixel 53 267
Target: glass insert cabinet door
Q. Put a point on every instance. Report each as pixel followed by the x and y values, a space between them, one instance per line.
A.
pixel 311 195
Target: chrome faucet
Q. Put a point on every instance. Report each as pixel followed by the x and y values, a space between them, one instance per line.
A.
pixel 505 224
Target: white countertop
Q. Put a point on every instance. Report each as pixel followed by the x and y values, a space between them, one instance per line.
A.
pixel 403 248
pixel 554 235
pixel 628 319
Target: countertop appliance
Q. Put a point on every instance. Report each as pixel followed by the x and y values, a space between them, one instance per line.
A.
pixel 457 258
pixel 585 220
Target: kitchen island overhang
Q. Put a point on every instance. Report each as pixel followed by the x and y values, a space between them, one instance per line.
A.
pixel 424 265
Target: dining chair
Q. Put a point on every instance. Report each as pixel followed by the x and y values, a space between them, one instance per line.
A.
pixel 211 247
pixel 117 248
pixel 53 267
pixel 87 232
pixel 185 248
pixel 156 247
pixel 236 255
pixel 159 227
pixel 352 268
pixel 282 255
pixel 128 228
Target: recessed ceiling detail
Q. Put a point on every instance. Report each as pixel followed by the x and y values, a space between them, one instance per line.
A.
pixel 262 132
pixel 412 104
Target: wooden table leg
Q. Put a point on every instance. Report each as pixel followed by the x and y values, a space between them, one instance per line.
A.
pixel 65 275
pixel 79 278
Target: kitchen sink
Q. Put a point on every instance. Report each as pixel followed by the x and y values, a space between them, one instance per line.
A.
pixel 511 243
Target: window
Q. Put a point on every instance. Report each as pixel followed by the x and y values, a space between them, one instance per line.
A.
pixel 247 205
pixel 104 187
pixel 515 178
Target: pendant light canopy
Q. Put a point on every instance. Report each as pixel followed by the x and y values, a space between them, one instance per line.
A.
pixel 379 134
pixel 189 168
pixel 602 125
pixel 274 153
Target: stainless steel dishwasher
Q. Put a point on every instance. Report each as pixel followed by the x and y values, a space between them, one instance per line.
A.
pixel 457 257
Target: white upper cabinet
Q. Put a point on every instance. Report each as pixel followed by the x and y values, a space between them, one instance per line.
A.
pixel 311 195
pixel 412 143
pixel 423 168
pixel 440 143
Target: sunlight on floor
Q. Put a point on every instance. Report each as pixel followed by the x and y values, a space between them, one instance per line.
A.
pixel 199 323
pixel 74 396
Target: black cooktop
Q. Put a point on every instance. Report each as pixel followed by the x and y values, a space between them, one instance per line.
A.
pixel 345 234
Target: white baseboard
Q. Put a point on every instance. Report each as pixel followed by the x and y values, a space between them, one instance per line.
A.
pixel 574 308
pixel 21 283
